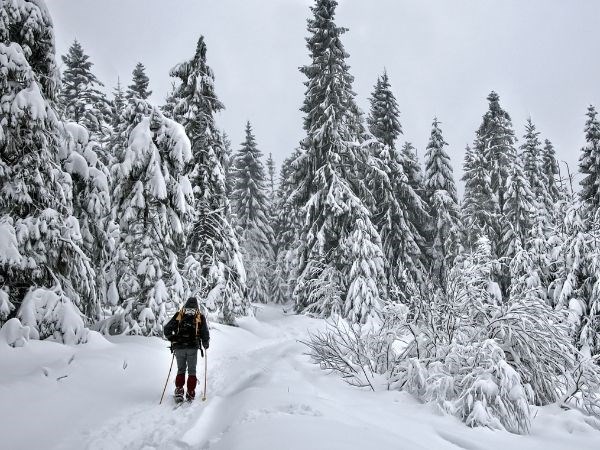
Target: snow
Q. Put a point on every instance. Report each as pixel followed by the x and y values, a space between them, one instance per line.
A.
pixel 263 393
pixel 9 248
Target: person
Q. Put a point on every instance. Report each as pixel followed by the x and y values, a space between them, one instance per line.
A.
pixel 188 332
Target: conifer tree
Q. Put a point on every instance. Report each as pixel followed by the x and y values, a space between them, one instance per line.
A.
pixel 412 168
pixel 81 98
pixel 441 195
pixel 383 120
pixel 551 171
pixel 139 86
pixel 493 153
pixel 153 205
pixel 214 262
pixel 251 206
pixel 42 243
pixel 118 104
pixel 228 164
pixel 271 179
pixel 337 233
pixel 520 210
pixel 589 163
pixel 479 209
pixel 531 154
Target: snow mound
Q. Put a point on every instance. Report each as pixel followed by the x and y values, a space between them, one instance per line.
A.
pixel 14 334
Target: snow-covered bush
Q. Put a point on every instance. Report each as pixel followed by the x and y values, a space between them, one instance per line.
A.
pixel 14 333
pixel 478 358
pixel 50 314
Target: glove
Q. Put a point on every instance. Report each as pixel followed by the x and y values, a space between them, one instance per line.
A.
pixel 201 352
pixel 205 344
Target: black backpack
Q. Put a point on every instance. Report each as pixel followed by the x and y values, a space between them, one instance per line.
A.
pixel 188 324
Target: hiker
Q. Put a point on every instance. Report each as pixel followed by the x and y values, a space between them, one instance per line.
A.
pixel 188 331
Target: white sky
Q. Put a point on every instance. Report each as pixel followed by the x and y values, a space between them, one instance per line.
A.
pixel 443 58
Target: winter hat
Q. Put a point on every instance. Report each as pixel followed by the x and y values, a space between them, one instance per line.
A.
pixel 192 302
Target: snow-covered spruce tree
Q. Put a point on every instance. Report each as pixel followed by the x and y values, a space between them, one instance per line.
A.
pixel 138 89
pixel 589 164
pixel 395 201
pixel 531 154
pixel 153 205
pixel 40 238
pixel 271 191
pixel 520 210
pixel 286 224
pixel 383 120
pixel 440 191
pixel 551 171
pixel 80 98
pixel 494 150
pixel 118 104
pixel 213 258
pixel 252 219
pixel 338 240
pixel 479 208
pixel 412 169
pixel 91 204
pixel 228 165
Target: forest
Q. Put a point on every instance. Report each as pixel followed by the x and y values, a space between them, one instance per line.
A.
pixel 114 210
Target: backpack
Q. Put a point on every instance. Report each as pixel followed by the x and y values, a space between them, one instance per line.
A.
pixel 188 323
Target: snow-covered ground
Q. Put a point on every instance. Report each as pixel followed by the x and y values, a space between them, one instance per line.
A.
pixel 263 393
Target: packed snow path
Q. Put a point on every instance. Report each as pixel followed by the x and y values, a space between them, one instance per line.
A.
pixel 263 393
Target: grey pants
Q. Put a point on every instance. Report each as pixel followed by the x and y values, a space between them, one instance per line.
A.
pixel 186 357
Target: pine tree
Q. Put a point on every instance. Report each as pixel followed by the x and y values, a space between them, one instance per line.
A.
pixel 397 208
pixel 479 209
pixel 442 198
pixel 589 163
pixel 412 168
pixel 214 260
pixel 81 98
pixel 36 210
pixel 383 120
pixel 153 204
pixel 531 154
pixel 139 86
pixel 336 219
pixel 228 165
pixel 271 179
pixel 520 210
pixel 251 206
pixel 286 225
pixel 493 153
pixel 118 104
pixel 551 171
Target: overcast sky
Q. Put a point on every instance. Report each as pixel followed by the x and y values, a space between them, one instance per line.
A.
pixel 443 58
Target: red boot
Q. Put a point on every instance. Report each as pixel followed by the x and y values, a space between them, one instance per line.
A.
pixel 191 388
pixel 179 382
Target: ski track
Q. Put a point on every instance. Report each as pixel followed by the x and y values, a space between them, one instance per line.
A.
pixel 262 389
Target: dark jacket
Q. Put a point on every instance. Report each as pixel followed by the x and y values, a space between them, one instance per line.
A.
pixel 187 329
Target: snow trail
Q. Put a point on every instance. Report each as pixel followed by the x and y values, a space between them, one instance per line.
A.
pixel 263 393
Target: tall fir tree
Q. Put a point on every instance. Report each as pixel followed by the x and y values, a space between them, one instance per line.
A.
pixel 214 262
pixel 271 179
pixel 479 209
pixel 494 149
pixel 383 120
pixel 589 163
pixel 339 244
pixel 412 168
pixel 80 97
pixel 442 198
pixel 138 89
pixel 153 206
pixel 252 218
pixel 118 104
pixel 42 242
pixel 551 171
pixel 531 154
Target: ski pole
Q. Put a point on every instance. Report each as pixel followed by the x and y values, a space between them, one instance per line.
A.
pixel 167 382
pixel 205 371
